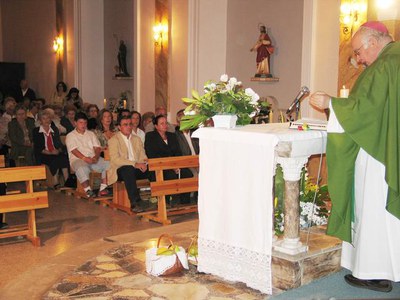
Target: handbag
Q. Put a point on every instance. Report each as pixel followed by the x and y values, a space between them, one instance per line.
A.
pixel 164 261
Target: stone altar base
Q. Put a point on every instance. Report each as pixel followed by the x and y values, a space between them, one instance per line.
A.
pixel 321 259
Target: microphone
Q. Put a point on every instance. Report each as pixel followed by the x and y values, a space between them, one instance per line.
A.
pixel 303 91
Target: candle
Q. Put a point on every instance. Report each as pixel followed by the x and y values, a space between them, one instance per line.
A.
pixel 105 102
pixel 282 118
pixel 270 116
pixel 344 93
pixel 124 104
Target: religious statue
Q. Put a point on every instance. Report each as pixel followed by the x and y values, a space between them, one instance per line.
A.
pixel 264 49
pixel 123 71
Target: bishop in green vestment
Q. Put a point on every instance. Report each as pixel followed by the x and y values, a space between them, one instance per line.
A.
pixel 364 162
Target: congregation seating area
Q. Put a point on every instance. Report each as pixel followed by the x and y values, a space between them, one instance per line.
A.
pixel 50 143
pixel 158 190
pixel 30 200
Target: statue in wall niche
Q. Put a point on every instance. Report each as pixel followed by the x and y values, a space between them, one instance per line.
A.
pixel 264 49
pixel 123 71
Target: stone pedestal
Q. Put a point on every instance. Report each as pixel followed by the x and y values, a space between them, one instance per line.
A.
pixel 322 259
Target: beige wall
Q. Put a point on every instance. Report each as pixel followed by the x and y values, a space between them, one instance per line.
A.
pixel 69 46
pixel 144 45
pixel 207 42
pixel 178 55
pixel 90 78
pixel 284 20
pixel 324 66
pixel 118 25
pixel 28 30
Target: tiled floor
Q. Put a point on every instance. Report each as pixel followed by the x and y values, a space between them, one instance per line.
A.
pixel 72 231
pixel 120 273
pixel 79 245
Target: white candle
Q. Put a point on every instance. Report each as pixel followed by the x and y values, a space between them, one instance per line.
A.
pixel 105 102
pixel 344 93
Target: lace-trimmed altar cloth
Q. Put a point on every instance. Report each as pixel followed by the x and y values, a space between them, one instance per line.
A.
pixel 235 205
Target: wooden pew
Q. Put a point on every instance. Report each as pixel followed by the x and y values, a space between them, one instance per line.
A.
pixel 160 188
pixel 26 201
pixel 2 161
pixel 120 198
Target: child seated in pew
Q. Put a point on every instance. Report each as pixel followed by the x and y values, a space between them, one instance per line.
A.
pixel 84 155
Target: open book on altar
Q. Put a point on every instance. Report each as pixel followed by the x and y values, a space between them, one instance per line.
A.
pixel 309 124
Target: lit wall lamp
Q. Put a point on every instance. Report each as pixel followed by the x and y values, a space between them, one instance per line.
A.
pixel 160 33
pixel 58 44
pixel 350 14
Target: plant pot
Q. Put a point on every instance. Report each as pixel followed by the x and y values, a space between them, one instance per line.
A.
pixel 225 121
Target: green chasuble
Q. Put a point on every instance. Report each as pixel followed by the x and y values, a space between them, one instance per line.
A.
pixel 370 118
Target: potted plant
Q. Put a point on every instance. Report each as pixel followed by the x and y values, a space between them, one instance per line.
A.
pixel 226 98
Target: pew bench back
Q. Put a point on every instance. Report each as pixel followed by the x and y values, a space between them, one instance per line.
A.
pixel 25 201
pixel 160 188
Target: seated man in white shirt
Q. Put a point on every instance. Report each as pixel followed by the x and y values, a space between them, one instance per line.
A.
pixel 84 155
pixel 128 161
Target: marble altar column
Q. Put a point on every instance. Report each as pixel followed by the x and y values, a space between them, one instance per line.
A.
pixel 291 174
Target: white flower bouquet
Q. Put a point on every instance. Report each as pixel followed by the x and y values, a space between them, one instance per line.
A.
pixel 226 97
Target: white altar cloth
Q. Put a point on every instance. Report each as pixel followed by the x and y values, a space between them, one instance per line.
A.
pixel 235 199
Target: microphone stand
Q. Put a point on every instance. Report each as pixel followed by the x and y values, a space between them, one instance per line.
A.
pixel 297 110
pixel 289 116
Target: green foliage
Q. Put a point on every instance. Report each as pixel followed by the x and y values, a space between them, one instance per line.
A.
pixel 309 215
pixel 226 97
pixel 170 250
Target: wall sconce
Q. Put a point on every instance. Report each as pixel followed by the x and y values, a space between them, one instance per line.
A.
pixel 160 33
pixel 58 44
pixel 349 14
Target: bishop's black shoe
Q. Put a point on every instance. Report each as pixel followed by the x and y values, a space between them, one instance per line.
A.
pixel 375 284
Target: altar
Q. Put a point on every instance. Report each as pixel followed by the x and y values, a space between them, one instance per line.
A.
pixel 236 198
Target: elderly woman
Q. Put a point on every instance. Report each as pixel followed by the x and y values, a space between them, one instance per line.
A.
pixel 20 134
pixel 136 118
pixel 105 128
pixel 55 119
pixel 48 147
pixel 161 143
